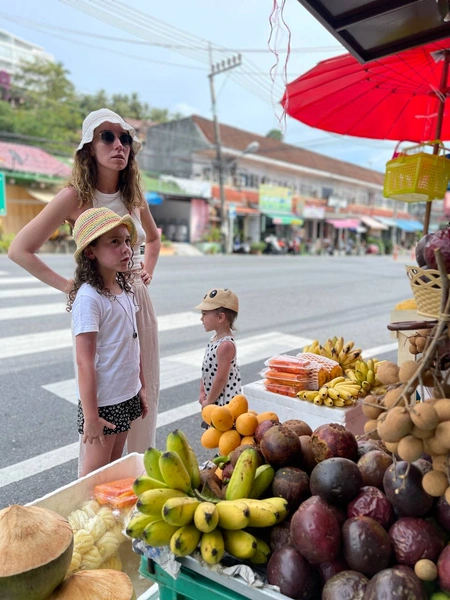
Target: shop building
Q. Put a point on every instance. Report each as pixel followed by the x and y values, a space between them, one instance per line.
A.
pixel 321 187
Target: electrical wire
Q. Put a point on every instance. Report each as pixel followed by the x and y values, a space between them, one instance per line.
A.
pixel 142 25
pixel 31 23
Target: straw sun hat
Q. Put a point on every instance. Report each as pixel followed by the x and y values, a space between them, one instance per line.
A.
pixel 104 115
pixel 94 222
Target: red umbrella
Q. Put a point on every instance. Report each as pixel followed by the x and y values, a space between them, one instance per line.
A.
pixel 399 97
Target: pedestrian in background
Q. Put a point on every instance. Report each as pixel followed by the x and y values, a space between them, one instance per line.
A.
pixel 111 386
pixel 221 378
pixel 105 173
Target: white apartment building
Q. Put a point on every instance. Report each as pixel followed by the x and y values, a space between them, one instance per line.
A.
pixel 14 49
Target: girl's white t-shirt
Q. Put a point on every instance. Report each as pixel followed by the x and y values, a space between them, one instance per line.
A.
pixel 117 353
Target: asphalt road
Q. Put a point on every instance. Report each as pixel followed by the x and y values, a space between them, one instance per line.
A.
pixel 282 301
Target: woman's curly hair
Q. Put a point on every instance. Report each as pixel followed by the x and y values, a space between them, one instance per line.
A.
pixel 86 272
pixel 84 179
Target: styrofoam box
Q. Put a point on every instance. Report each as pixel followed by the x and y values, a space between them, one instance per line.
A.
pixel 66 499
pixel 286 408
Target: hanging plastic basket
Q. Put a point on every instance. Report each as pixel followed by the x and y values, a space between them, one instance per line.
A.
pixel 415 175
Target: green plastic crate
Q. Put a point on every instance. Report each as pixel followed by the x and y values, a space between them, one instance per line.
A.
pixel 187 586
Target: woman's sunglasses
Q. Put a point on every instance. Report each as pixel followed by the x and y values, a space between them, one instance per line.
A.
pixel 109 137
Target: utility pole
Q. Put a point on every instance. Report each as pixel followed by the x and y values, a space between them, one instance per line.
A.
pixel 217 69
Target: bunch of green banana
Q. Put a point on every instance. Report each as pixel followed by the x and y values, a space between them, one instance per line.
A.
pixel 363 373
pixel 339 392
pixel 336 349
pixel 243 475
pixel 186 522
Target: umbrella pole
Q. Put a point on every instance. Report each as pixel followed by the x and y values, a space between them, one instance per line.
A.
pixel 440 118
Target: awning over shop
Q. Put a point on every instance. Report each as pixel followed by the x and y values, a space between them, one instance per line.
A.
pixel 373 224
pixel 153 198
pixel 284 218
pixel 246 210
pixel 403 224
pixel 344 223
pixel 388 221
pixel 41 196
pixel 409 226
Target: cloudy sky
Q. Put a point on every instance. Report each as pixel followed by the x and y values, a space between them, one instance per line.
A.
pixel 159 50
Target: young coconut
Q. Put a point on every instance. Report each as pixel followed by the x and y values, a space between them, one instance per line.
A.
pixel 36 549
pixel 101 584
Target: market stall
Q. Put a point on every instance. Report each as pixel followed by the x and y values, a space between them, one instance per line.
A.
pixel 321 477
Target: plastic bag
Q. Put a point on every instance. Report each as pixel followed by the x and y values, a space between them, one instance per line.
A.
pixel 278 388
pixel 116 493
pixel 333 368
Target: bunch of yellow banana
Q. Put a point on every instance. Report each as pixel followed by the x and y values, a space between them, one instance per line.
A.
pixel 364 374
pixel 339 392
pixel 336 349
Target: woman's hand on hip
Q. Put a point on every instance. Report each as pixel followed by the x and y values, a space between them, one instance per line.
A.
pixel 145 276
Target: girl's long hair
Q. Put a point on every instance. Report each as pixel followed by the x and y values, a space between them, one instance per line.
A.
pixel 86 272
pixel 84 179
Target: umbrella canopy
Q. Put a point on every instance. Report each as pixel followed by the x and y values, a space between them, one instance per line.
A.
pixel 394 98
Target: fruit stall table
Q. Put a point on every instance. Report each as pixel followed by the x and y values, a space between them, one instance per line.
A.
pixel 288 408
pixel 70 497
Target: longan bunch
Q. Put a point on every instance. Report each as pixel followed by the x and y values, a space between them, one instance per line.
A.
pixel 409 430
pixel 418 341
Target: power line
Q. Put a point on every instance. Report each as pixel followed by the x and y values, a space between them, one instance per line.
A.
pixel 142 25
pixel 31 23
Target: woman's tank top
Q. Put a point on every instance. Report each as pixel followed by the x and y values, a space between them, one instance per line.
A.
pixel 115 203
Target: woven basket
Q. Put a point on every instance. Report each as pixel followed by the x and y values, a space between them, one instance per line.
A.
pixel 427 289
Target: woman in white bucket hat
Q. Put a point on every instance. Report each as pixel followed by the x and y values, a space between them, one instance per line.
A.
pixel 105 173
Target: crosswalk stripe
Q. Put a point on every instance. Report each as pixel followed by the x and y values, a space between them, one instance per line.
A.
pixel 186 366
pixel 165 322
pixel 59 339
pixel 29 292
pixel 16 280
pixel 59 456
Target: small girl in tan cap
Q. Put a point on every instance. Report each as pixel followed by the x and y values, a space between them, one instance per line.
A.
pixel 221 378
pixel 111 387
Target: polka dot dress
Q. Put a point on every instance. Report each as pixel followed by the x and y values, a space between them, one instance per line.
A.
pixel 209 370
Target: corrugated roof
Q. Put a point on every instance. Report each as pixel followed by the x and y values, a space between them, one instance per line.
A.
pixel 239 139
pixel 29 159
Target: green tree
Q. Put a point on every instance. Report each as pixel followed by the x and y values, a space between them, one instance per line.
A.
pixel 275 134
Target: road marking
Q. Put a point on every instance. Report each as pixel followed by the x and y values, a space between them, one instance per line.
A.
pixel 185 367
pixel 378 350
pixel 165 322
pixel 28 292
pixel 16 280
pixel 59 339
pixel 59 456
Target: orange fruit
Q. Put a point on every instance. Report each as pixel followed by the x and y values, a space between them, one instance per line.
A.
pixel 248 439
pixel 267 416
pixel 246 424
pixel 229 441
pixel 222 418
pixel 238 405
pixel 206 413
pixel 210 438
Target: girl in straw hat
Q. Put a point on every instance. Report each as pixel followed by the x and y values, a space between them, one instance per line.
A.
pixel 111 386
pixel 105 173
